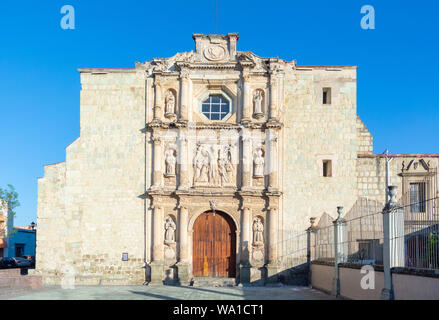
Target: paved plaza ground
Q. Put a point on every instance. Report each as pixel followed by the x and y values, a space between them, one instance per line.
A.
pixel 169 293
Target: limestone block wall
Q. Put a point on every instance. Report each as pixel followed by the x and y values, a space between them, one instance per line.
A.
pixel 52 228
pixel 372 174
pixel 365 139
pixel 105 177
pixel 314 132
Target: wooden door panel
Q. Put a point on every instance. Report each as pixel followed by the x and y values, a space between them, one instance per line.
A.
pixel 214 243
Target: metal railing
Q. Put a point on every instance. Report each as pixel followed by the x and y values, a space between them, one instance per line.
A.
pixel 293 249
pixel 421 233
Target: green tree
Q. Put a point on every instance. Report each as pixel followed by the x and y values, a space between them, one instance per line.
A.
pixel 11 197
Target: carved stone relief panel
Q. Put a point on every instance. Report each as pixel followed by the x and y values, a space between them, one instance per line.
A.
pixel 215 160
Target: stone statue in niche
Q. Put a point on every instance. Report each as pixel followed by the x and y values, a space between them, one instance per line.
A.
pixel 225 168
pixel 170 103
pixel 170 228
pixel 258 162
pixel 257 101
pixel 258 232
pixel 170 161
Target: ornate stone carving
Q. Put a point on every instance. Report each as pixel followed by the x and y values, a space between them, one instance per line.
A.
pixel 258 232
pixel 170 160
pixel 258 255
pixel 204 165
pixel 225 167
pixel 169 104
pixel 213 165
pixel 258 162
pixel 170 228
pixel 258 98
pixel 215 53
pixel 213 204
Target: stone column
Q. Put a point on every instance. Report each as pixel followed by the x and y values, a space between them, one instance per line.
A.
pixel 272 244
pixel 183 161
pixel 157 247
pixel 245 245
pixel 184 97
pixel 157 165
pixel 273 97
pixel 393 246
pixel 158 99
pixel 246 110
pixel 183 263
pixel 273 160
pixel 246 160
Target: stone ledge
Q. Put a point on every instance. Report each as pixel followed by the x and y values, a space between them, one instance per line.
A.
pixel 429 273
pixel 323 263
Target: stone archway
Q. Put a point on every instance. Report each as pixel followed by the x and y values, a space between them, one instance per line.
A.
pixel 214 245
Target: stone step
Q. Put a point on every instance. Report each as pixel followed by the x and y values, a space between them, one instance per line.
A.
pixel 214 282
pixel 20 281
pixel 12 272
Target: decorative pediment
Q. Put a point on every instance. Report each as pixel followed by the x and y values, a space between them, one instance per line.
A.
pixel 212 52
pixel 415 166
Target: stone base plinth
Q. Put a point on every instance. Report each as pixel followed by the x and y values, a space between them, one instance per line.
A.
pixel 387 294
pixel 183 273
pixel 156 272
pixel 245 274
pixel 272 273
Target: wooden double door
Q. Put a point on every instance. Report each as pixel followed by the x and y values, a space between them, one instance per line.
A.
pixel 214 246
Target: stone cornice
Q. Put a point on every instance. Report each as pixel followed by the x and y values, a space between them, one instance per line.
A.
pixel 212 125
pixel 214 191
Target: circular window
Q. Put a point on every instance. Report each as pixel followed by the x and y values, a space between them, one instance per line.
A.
pixel 215 107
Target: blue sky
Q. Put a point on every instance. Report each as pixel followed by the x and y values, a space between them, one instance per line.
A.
pixel 398 96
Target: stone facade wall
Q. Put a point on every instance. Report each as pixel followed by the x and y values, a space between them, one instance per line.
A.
pixel 372 174
pixel 315 132
pixel 114 192
pixel 98 191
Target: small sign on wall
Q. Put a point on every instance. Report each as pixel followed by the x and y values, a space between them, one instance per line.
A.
pixel 124 256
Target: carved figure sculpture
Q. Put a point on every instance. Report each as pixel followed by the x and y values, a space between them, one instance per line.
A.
pixel 170 102
pixel 258 231
pixel 170 161
pixel 258 161
pixel 225 164
pixel 170 228
pixel 201 164
pixel 257 100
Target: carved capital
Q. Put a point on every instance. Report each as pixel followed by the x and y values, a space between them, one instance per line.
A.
pixel 157 81
pixel 156 140
pixel 246 77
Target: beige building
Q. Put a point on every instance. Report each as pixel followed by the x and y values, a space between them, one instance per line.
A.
pixel 203 164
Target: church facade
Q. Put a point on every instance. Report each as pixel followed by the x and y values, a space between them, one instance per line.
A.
pixel 202 165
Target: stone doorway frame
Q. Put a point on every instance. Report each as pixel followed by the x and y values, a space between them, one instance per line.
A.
pixel 194 217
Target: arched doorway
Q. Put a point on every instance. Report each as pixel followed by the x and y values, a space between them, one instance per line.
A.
pixel 214 245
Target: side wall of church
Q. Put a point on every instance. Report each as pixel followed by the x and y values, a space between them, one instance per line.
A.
pixel 105 177
pixel 52 226
pixel 315 132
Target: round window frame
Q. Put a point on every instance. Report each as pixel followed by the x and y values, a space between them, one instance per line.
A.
pixel 215 93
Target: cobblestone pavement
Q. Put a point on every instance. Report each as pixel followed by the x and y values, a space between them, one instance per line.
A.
pixel 172 293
